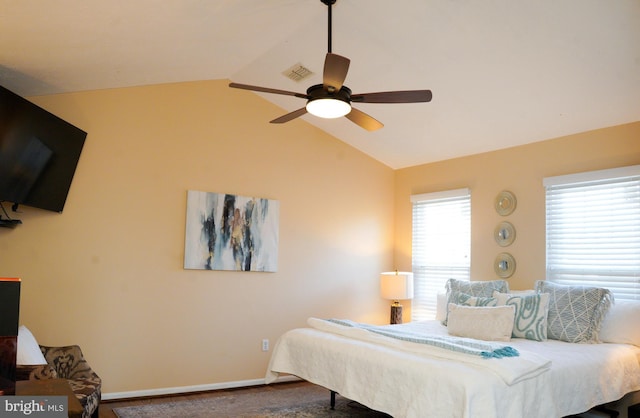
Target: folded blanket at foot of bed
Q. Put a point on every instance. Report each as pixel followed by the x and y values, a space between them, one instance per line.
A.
pixel 483 349
pixel 511 367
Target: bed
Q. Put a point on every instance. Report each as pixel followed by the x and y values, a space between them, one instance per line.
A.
pixel 405 378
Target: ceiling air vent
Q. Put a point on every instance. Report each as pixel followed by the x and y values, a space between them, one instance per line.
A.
pixel 297 73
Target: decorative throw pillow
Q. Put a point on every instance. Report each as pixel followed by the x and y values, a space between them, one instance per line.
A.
pixel 489 323
pixel 28 349
pixel 463 299
pixel 477 288
pixel 575 312
pixel 531 314
pixel 522 292
pixel 621 325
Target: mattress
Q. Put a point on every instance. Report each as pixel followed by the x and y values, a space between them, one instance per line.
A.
pixel 405 380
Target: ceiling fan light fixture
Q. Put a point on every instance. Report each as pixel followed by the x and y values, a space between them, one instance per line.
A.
pixel 328 108
pixel 332 99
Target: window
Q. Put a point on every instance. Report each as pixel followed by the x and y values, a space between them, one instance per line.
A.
pixel 593 230
pixel 441 246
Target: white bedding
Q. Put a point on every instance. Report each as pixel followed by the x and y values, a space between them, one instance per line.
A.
pixel 410 382
pixel 510 369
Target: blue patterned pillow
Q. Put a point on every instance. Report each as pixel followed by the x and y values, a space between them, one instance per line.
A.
pixel 463 299
pixel 477 288
pixel 531 314
pixel 575 312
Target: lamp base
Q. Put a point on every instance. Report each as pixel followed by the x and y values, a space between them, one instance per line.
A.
pixel 396 314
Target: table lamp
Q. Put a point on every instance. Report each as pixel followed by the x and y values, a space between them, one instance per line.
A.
pixel 396 286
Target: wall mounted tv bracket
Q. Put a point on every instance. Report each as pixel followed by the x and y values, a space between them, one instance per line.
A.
pixel 7 222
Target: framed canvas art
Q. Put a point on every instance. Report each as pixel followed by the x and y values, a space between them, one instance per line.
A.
pixel 231 232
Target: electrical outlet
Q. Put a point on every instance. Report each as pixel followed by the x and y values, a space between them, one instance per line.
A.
pixel 265 345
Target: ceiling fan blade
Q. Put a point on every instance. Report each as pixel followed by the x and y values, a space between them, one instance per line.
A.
pixel 363 120
pixel 290 116
pixel 268 90
pixel 335 71
pixel 406 96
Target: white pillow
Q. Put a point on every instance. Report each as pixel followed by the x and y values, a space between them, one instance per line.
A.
pixel 441 307
pixel 489 323
pixel 621 323
pixel 29 353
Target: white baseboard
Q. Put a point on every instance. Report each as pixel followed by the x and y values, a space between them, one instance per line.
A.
pixel 189 389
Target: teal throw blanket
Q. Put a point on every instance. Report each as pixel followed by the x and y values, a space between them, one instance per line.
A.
pixel 461 345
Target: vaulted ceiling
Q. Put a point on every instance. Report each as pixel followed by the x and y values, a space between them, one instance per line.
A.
pixel 502 72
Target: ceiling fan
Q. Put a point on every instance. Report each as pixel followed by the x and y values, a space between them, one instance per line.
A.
pixel 332 99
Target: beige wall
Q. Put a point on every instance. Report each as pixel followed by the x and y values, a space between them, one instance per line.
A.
pixel 107 273
pixel 519 170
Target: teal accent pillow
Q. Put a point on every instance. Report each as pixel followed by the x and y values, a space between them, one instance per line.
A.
pixel 468 300
pixel 477 288
pixel 575 312
pixel 462 299
pixel 474 288
pixel 531 314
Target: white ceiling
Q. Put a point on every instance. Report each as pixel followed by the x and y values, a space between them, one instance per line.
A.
pixel 502 72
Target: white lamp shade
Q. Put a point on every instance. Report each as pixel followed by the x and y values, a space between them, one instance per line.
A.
pixel 396 285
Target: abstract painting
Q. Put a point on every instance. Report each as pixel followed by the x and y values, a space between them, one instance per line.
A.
pixel 231 232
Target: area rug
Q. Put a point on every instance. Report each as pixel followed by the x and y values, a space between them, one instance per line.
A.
pixel 295 402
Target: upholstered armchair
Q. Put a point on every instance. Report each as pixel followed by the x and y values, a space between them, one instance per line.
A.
pixel 68 363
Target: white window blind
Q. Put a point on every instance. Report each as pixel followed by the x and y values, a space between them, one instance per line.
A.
pixel 593 230
pixel 441 246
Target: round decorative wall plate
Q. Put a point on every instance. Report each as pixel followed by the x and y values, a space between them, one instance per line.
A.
pixel 505 203
pixel 505 234
pixel 504 265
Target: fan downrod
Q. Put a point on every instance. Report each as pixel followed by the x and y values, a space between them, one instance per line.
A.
pixel 329 19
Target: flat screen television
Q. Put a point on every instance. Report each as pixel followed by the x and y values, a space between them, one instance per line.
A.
pixel 39 153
